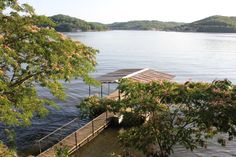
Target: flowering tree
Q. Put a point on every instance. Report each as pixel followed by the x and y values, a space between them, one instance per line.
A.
pixel 187 114
pixel 32 54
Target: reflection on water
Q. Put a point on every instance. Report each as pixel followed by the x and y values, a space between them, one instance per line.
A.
pixel 107 143
pixel 104 145
pixel 195 56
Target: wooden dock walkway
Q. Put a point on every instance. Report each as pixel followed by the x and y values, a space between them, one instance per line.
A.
pixel 81 136
pixel 84 134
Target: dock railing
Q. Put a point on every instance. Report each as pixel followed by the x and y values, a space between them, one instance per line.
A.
pixel 55 136
pixel 78 138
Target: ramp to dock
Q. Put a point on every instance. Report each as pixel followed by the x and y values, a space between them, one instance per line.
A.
pixel 81 136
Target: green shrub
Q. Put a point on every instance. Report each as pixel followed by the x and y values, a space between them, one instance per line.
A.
pixel 131 119
pixel 62 151
pixel 5 152
pixel 91 107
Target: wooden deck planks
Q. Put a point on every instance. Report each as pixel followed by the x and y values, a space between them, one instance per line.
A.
pixel 83 134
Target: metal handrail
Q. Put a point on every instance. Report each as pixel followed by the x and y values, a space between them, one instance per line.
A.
pixel 57 130
pixel 88 137
pixel 89 123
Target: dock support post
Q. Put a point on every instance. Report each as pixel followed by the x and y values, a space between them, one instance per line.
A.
pixel 108 88
pixel 101 91
pixel 119 94
pixel 40 149
pixel 76 140
pixel 106 116
pixel 92 127
pixel 89 90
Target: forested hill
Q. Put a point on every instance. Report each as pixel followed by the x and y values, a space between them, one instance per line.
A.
pixel 218 24
pixel 66 23
pixel 143 25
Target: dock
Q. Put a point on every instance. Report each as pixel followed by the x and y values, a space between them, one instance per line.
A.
pixel 80 137
pixel 89 131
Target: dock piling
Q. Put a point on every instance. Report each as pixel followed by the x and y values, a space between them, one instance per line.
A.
pixel 92 127
pixel 89 90
pixel 108 88
pixel 76 140
pixel 40 149
pixel 101 91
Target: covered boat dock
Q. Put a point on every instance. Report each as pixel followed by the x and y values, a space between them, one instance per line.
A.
pixel 86 133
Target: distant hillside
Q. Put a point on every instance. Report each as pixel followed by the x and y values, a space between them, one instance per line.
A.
pixel 66 23
pixel 218 24
pixel 143 25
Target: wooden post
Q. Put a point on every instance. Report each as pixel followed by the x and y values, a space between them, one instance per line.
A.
pixel 40 149
pixel 101 91
pixel 89 90
pixel 118 94
pixel 92 127
pixel 108 88
pixel 106 116
pixel 76 140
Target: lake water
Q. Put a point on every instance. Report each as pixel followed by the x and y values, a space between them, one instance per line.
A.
pixel 188 56
pixel 103 146
pixel 196 56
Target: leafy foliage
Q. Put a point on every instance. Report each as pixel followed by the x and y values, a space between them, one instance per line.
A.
pixel 5 152
pixel 91 107
pixel 188 114
pixel 131 119
pixel 62 151
pixel 32 55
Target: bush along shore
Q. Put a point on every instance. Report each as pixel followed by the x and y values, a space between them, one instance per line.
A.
pixel 187 114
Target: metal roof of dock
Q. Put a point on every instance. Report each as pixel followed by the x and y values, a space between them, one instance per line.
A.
pixel 140 75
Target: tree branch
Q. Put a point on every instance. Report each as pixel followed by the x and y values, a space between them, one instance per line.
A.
pixel 24 79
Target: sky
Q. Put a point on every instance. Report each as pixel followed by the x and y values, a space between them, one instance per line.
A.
pixel 108 11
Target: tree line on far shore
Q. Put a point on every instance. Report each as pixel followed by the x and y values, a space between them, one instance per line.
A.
pixel 217 24
pixel 66 23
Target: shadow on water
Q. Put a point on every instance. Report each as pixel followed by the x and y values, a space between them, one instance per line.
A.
pixel 107 143
pixel 104 145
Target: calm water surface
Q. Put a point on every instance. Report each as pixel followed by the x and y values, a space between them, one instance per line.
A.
pixel 107 143
pixel 196 56
pixel 189 56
